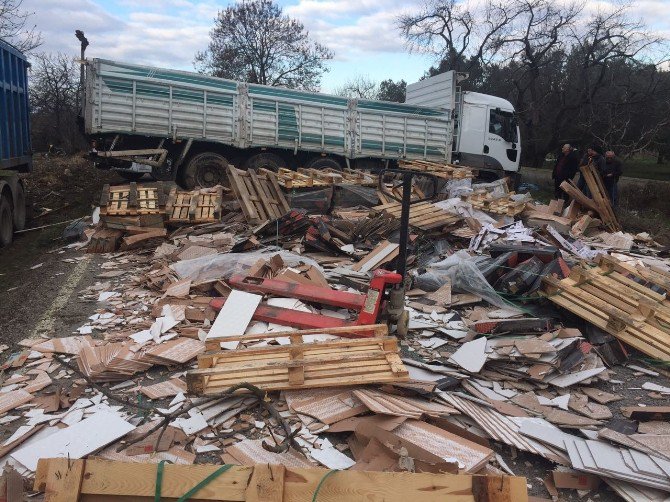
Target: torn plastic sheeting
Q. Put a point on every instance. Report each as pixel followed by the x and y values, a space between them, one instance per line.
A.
pixel 225 265
pixel 355 195
pixel 462 269
pixel 314 201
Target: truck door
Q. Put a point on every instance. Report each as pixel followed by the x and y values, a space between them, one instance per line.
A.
pixel 501 139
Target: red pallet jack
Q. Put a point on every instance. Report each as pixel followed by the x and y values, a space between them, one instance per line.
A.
pixel 385 296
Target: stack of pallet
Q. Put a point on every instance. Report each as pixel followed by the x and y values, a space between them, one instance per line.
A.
pixel 486 201
pixel 445 171
pixel 423 215
pixel 290 179
pixel 340 176
pixel 619 299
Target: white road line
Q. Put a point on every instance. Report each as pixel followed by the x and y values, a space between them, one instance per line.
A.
pixel 48 321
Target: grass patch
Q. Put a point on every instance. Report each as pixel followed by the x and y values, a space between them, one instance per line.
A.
pixel 642 166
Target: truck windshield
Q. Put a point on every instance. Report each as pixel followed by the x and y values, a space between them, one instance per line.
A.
pixel 503 124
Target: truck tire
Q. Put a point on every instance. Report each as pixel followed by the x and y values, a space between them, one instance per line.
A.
pixel 323 163
pixel 19 208
pixel 265 160
pixel 6 221
pixel 206 170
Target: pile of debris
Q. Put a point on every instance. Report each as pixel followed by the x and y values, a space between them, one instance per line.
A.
pixel 256 334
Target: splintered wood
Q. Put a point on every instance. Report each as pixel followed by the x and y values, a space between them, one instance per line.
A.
pixel 618 300
pixel 64 480
pixel 200 206
pixel 505 205
pixel 424 215
pixel 446 171
pixel 299 365
pixel 132 200
pixel 259 195
pixel 600 197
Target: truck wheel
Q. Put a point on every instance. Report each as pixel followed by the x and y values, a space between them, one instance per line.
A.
pixel 6 223
pixel 323 163
pixel 19 208
pixel 206 170
pixel 265 160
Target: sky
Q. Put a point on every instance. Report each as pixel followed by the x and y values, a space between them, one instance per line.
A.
pixel 168 33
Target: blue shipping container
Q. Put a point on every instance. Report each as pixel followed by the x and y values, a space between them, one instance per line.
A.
pixel 15 149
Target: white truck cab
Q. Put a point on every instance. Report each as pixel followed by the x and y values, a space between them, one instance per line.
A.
pixel 486 133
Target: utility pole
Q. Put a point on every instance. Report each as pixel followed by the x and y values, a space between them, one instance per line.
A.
pixel 84 43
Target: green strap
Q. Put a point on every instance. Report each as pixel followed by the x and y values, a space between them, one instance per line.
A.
pixel 192 491
pixel 159 479
pixel 318 487
pixel 204 482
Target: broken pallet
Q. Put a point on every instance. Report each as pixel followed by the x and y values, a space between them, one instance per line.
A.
pixel 445 171
pixel 600 197
pixel 617 303
pixel 259 195
pixel 299 365
pixel 505 205
pixel 424 215
pixel 65 480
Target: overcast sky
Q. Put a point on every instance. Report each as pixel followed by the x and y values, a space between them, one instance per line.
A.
pixel 168 33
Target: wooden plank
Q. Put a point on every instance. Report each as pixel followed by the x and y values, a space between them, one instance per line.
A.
pixel 242 195
pixel 60 479
pixel 105 481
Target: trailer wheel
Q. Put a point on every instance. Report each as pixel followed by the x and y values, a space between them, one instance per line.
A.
pixel 19 208
pixel 130 176
pixel 6 223
pixel 323 163
pixel 265 160
pixel 206 170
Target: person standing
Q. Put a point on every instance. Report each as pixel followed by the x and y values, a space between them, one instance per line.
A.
pixel 594 156
pixel 611 174
pixel 565 168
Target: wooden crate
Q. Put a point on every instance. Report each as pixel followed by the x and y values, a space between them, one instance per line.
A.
pixel 300 365
pixel 69 480
pixel 617 301
pixel 198 206
pixel 423 215
pixel 132 200
pixel 259 194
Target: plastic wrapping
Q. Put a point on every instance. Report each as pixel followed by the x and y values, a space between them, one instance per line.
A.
pixel 462 270
pixel 225 265
pixel 313 200
pixel 458 187
pixel 347 195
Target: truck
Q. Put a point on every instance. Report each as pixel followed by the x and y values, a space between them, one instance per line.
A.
pixel 188 127
pixel 15 147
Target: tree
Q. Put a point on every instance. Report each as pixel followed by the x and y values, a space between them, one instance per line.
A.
pixel 13 26
pixel 54 82
pixel 361 87
pixel 392 91
pixel 253 41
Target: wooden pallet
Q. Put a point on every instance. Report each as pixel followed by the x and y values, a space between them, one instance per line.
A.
pixel 445 171
pixel 396 190
pixel 423 215
pixel 340 176
pixel 290 179
pixel 300 365
pixel 600 197
pixel 132 200
pixel 259 195
pixel 198 206
pixel 481 199
pixel 69 480
pixel 623 304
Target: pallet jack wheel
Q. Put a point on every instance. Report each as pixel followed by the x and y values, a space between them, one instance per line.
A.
pixel 403 324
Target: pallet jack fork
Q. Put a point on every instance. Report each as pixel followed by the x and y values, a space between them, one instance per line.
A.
pixel 369 306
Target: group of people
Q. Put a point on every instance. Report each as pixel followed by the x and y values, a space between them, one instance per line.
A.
pixel 609 166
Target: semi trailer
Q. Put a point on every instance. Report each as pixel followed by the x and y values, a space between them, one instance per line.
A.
pixel 15 148
pixel 189 127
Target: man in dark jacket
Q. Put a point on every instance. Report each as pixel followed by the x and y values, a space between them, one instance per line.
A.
pixel 611 174
pixel 565 168
pixel 594 156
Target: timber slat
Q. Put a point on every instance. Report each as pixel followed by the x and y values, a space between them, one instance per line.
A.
pixel 259 194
